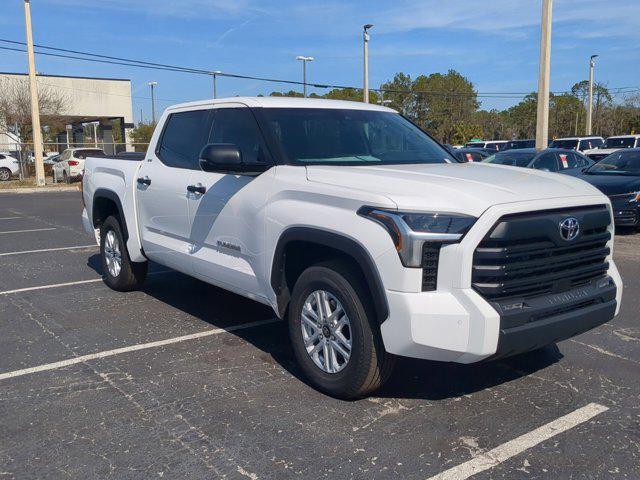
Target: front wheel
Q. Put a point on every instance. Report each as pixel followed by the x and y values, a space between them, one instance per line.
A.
pixel 120 273
pixel 5 174
pixel 334 334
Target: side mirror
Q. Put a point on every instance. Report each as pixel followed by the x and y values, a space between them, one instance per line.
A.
pixel 220 157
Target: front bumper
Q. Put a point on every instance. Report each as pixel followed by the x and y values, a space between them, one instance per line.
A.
pixel 456 324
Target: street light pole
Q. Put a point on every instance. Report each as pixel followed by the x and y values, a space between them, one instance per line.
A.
pixel 542 122
pixel 365 39
pixel 153 102
pixel 592 63
pixel 304 61
pixel 35 107
pixel 215 86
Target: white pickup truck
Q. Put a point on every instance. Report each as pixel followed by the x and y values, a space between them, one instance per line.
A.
pixel 361 231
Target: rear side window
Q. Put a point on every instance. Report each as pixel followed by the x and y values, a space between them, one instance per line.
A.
pixel 183 138
pixel 238 127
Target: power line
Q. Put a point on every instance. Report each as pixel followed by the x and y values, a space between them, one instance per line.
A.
pixel 167 67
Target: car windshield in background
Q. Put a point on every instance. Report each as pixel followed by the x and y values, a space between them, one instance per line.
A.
pixel 82 154
pixel 516 159
pixel 313 136
pixel 619 142
pixel 568 144
pixel 620 163
pixel 474 145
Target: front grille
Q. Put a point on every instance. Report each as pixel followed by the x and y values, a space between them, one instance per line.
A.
pixel 430 258
pixel 524 255
pixel 626 216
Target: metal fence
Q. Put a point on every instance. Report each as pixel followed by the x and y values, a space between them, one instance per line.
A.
pixel 23 153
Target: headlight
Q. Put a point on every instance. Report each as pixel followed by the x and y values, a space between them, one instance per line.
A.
pixel 411 230
pixel 635 197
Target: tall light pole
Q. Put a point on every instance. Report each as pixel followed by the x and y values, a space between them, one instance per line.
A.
pixel 592 63
pixel 35 107
pixel 542 123
pixel 215 86
pixel 365 39
pixel 304 61
pixel 153 101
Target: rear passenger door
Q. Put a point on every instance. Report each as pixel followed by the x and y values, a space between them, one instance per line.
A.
pixel 161 188
pixel 227 220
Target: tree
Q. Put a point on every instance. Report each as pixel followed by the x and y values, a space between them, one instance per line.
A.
pixel 399 92
pixel 15 106
pixel 142 135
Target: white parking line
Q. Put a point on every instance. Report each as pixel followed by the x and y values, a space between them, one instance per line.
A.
pixel 9 218
pixel 48 250
pixel 496 456
pixel 131 348
pixel 27 231
pixel 57 285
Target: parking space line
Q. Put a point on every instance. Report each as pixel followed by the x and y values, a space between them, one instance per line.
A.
pixel 9 218
pixel 57 249
pixel 132 348
pixel 503 452
pixel 66 284
pixel 27 231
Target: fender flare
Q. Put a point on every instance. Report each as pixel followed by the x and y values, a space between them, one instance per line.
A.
pixel 113 196
pixel 335 241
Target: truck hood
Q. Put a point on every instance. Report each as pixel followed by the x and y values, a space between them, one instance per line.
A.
pixel 468 188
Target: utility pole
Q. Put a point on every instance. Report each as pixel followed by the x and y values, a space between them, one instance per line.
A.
pixel 592 63
pixel 35 107
pixel 304 61
pixel 153 102
pixel 542 122
pixel 215 87
pixel 365 40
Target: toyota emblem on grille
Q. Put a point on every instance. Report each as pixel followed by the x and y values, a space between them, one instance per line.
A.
pixel 569 228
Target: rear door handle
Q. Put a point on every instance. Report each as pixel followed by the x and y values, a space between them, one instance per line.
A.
pixel 197 189
pixel 144 181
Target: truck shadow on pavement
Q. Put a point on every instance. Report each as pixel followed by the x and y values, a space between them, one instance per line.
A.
pixel 412 378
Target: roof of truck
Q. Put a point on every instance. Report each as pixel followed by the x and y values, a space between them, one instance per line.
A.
pixel 285 102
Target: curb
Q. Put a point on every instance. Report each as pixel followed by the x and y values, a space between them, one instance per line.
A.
pixel 39 190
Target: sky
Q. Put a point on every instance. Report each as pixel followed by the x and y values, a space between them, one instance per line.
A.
pixel 494 43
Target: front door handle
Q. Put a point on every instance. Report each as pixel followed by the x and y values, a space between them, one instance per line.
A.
pixel 196 189
pixel 144 181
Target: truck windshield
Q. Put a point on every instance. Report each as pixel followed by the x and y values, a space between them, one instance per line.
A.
pixel 321 136
pixel 568 144
pixel 619 142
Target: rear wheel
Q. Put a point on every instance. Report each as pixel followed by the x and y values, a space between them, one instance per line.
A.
pixel 5 174
pixel 334 334
pixel 120 273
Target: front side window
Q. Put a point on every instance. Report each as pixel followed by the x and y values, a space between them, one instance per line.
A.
pixel 183 138
pixel 238 127
pixel 546 162
pixel 308 136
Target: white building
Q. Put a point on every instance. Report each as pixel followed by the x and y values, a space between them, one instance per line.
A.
pixel 87 100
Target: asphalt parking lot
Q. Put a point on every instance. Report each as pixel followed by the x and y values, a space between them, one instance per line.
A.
pixel 183 380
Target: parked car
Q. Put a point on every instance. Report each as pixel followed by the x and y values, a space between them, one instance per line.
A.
pixel 550 160
pixel 577 143
pixel 9 166
pixel 494 145
pixel 358 229
pixel 472 154
pixel 71 163
pixel 613 144
pixel 52 159
pixel 516 144
pixel 618 177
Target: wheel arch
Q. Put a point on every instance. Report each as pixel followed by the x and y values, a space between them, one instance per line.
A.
pixel 105 203
pixel 326 241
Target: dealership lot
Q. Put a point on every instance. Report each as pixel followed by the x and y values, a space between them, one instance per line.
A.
pixel 182 379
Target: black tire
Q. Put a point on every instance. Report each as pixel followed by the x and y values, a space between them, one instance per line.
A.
pixel 5 174
pixel 369 365
pixel 131 274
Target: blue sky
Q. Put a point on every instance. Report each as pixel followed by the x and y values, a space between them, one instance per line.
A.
pixel 495 43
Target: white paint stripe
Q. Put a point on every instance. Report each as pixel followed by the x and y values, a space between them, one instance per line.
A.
pixel 131 348
pixel 500 454
pixel 56 285
pixel 57 249
pixel 27 231
pixel 8 218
